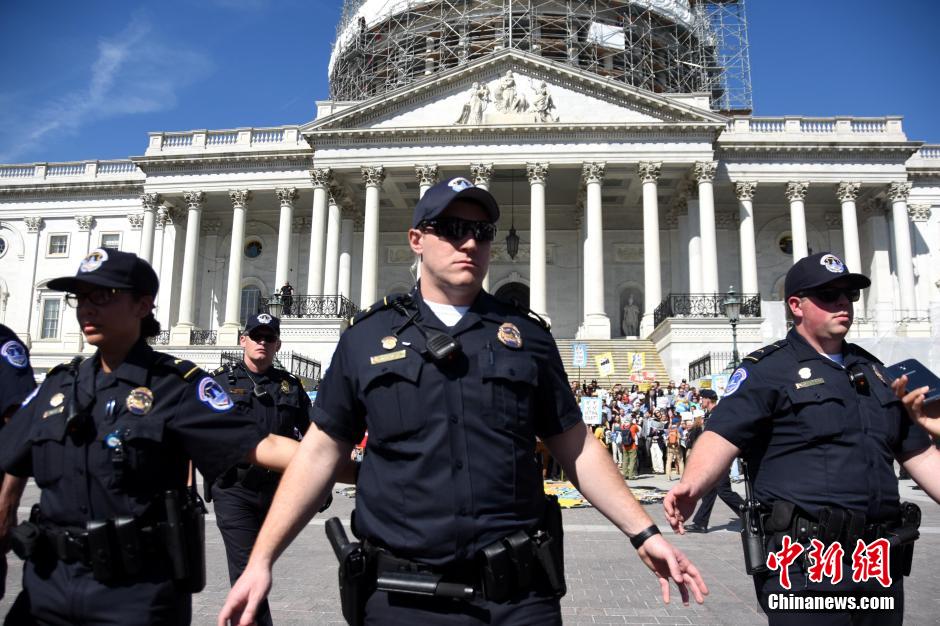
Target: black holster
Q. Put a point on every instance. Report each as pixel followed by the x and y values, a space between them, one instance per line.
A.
pixel 356 576
pixel 185 535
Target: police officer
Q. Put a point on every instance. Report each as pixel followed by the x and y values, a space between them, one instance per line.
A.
pixel 723 490
pixel 819 426
pixel 453 386
pixel 276 398
pixel 16 382
pixel 117 537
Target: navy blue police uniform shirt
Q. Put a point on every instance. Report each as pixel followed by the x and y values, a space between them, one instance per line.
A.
pixel 809 437
pixel 450 464
pixel 159 411
pixel 16 374
pixel 284 410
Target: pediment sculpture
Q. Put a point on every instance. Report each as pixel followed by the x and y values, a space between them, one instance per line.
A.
pixel 510 104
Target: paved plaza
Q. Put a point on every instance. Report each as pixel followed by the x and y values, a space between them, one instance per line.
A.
pixel 607 584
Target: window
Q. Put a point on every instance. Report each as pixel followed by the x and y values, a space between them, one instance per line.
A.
pixel 251 303
pixel 253 249
pixel 3 246
pixel 50 318
pixel 111 241
pixel 785 243
pixel 58 245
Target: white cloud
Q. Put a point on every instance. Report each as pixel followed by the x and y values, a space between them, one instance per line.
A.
pixel 134 72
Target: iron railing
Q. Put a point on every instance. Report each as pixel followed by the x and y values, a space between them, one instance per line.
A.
pixel 311 306
pixel 711 363
pixel 703 305
pixel 299 365
pixel 163 339
pixel 199 337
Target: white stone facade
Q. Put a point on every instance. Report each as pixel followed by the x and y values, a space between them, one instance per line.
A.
pixel 613 191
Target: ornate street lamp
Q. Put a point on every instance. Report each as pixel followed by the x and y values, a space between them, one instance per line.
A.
pixel 512 239
pixel 275 306
pixel 732 307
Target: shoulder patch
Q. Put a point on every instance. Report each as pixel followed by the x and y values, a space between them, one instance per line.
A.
pixel 397 301
pixel 15 354
pixel 213 395
pixel 734 383
pixel 760 353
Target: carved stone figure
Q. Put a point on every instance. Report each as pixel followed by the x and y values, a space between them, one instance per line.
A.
pixel 631 318
pixel 508 98
pixel 543 104
pixel 473 111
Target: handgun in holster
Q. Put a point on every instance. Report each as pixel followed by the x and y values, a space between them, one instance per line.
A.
pixel 26 538
pixel 753 536
pixel 186 538
pixel 903 537
pixel 99 550
pixel 548 546
pixel 355 579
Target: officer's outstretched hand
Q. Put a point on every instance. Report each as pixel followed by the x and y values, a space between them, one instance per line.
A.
pixel 924 414
pixel 249 590
pixel 666 561
pixel 679 505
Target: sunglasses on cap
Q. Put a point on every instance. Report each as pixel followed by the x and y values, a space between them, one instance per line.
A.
pixel 829 295
pixel 456 229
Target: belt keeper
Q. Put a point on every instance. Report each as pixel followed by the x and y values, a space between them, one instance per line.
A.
pixel 640 538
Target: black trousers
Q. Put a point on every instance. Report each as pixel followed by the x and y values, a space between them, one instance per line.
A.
pixel 396 609
pixel 766 584
pixel 64 594
pixel 239 514
pixel 724 491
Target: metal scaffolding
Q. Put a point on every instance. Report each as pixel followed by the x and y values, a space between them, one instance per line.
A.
pixel 664 46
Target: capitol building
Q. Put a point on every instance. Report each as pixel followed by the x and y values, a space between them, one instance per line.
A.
pixel 637 187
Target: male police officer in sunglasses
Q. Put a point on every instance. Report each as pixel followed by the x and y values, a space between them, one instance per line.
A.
pixel 819 426
pixel 453 386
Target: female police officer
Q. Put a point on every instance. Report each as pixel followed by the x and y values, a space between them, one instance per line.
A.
pixel 117 537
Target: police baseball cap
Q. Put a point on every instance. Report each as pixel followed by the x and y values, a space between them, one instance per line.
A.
pixel 263 320
pixel 820 269
pixel 436 199
pixel 708 393
pixel 110 268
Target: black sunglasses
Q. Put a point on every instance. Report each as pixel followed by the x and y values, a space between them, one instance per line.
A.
pixel 265 337
pixel 455 229
pixel 832 294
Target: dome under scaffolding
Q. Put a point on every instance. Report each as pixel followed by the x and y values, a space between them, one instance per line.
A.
pixel 664 46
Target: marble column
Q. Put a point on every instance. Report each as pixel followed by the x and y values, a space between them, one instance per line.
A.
pixel 344 271
pixel 159 226
pixel 286 196
pixel 538 288
pixel 180 334
pixel 796 193
pixel 372 176
pixel 169 277
pixel 149 202
pixel 920 216
pixel 596 324
pixel 85 225
pixel 228 333
pixel 847 194
pixel 897 194
pixel 33 227
pixel 694 243
pixel 652 270
pixel 427 177
pixel 331 263
pixel 321 179
pixel 744 190
pixel 705 175
pixel 481 174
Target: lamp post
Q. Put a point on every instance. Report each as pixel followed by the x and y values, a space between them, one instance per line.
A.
pixel 275 306
pixel 732 307
pixel 512 239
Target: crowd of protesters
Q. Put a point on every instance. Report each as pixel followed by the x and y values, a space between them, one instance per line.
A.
pixel 649 430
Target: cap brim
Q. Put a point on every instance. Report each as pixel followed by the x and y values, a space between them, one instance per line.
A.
pixel 855 281
pixel 73 284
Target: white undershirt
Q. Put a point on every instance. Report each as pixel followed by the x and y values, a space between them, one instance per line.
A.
pixel 838 358
pixel 447 313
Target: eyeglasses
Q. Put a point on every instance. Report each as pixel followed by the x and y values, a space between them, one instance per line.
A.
pixel 98 297
pixel 455 229
pixel 832 294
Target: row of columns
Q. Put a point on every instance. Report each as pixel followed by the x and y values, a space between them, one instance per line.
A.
pixel 330 262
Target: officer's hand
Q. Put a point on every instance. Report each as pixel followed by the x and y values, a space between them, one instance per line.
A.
pixel 679 505
pixel 249 590
pixel 666 561
pixel 924 414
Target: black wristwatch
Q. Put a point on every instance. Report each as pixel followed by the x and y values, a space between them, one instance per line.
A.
pixel 640 538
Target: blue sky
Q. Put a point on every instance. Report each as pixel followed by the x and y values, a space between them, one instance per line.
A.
pixel 88 80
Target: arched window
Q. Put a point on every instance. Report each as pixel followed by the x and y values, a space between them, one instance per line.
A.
pixel 251 302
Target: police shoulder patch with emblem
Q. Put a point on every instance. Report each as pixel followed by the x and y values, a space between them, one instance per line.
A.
pixel 15 354
pixel 213 396
pixel 736 380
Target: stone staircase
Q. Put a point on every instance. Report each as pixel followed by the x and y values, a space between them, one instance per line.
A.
pixel 620 349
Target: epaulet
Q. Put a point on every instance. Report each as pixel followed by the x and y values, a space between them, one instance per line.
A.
pixel 857 349
pixel 65 366
pixel 187 370
pixel 222 369
pixel 526 312
pixel 760 353
pixel 397 301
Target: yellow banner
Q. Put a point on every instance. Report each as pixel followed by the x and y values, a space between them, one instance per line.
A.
pixel 605 364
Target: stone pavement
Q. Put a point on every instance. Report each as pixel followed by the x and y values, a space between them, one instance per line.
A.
pixel 607 584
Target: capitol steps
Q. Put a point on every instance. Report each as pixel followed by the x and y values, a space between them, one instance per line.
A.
pixel 620 349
